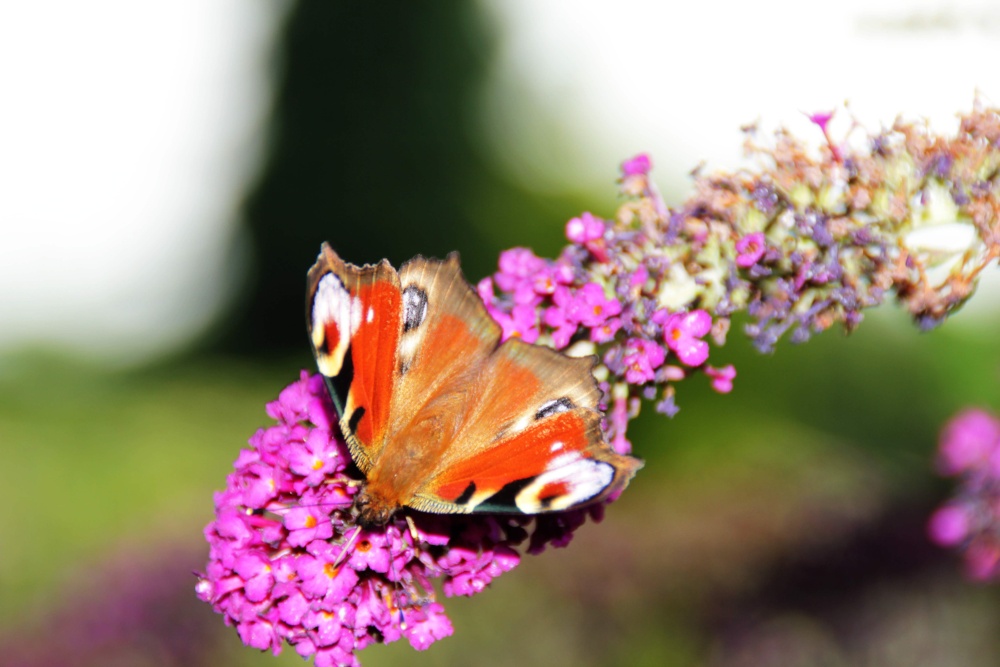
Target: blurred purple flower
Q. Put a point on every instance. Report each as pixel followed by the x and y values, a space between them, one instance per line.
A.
pixel 585 228
pixel 970 520
pixel 638 165
pixel 949 525
pixel 821 119
pixel 722 378
pixel 968 441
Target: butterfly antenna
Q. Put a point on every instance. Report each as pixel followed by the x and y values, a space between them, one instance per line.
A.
pixel 413 529
pixel 347 547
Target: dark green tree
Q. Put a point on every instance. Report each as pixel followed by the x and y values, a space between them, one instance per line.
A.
pixel 371 147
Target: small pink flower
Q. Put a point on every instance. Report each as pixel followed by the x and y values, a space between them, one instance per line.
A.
pixel 558 317
pixel 522 322
pixel 546 280
pixel 313 459
pixel 484 288
pixel 293 608
pixel 821 119
pixel 682 333
pixel 308 522
pixel 262 483
pixel 259 633
pixel 590 307
pixel 642 358
pixel 325 626
pixel 585 228
pixel 750 249
pixel 320 578
pixel 605 333
pixel 255 570
pixel 618 417
pixel 371 551
pixel 640 164
pixel 517 265
pixel 427 624
pixel 722 378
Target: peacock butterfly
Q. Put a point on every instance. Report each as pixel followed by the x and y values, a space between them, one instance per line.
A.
pixel 438 414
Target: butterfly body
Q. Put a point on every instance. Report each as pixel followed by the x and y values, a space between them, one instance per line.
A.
pixel 438 414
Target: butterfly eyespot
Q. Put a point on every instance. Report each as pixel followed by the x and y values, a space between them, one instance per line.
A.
pixel 569 481
pixel 553 407
pixel 414 307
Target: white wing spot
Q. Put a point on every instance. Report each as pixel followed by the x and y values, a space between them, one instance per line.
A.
pixel 583 479
pixel 554 407
pixel 333 302
pixel 371 314
pixel 556 446
pixel 408 346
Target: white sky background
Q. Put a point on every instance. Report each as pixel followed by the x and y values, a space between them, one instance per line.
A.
pixel 118 189
pixel 127 132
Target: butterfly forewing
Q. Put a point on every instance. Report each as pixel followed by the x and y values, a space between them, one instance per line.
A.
pixel 447 335
pixel 354 322
pixel 446 339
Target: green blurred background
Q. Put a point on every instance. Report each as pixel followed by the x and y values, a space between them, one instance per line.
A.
pixel 780 525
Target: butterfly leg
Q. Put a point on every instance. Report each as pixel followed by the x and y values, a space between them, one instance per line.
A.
pixel 413 529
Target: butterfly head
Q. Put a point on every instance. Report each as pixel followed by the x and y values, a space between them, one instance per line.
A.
pixel 372 511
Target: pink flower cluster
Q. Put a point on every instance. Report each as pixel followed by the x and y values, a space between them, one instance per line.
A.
pixel 604 295
pixel 287 562
pixel 970 450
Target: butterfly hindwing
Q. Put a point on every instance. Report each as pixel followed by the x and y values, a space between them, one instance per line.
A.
pixel 354 322
pixel 555 464
pixel 533 441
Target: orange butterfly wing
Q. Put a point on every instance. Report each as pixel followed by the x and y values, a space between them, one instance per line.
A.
pixel 533 442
